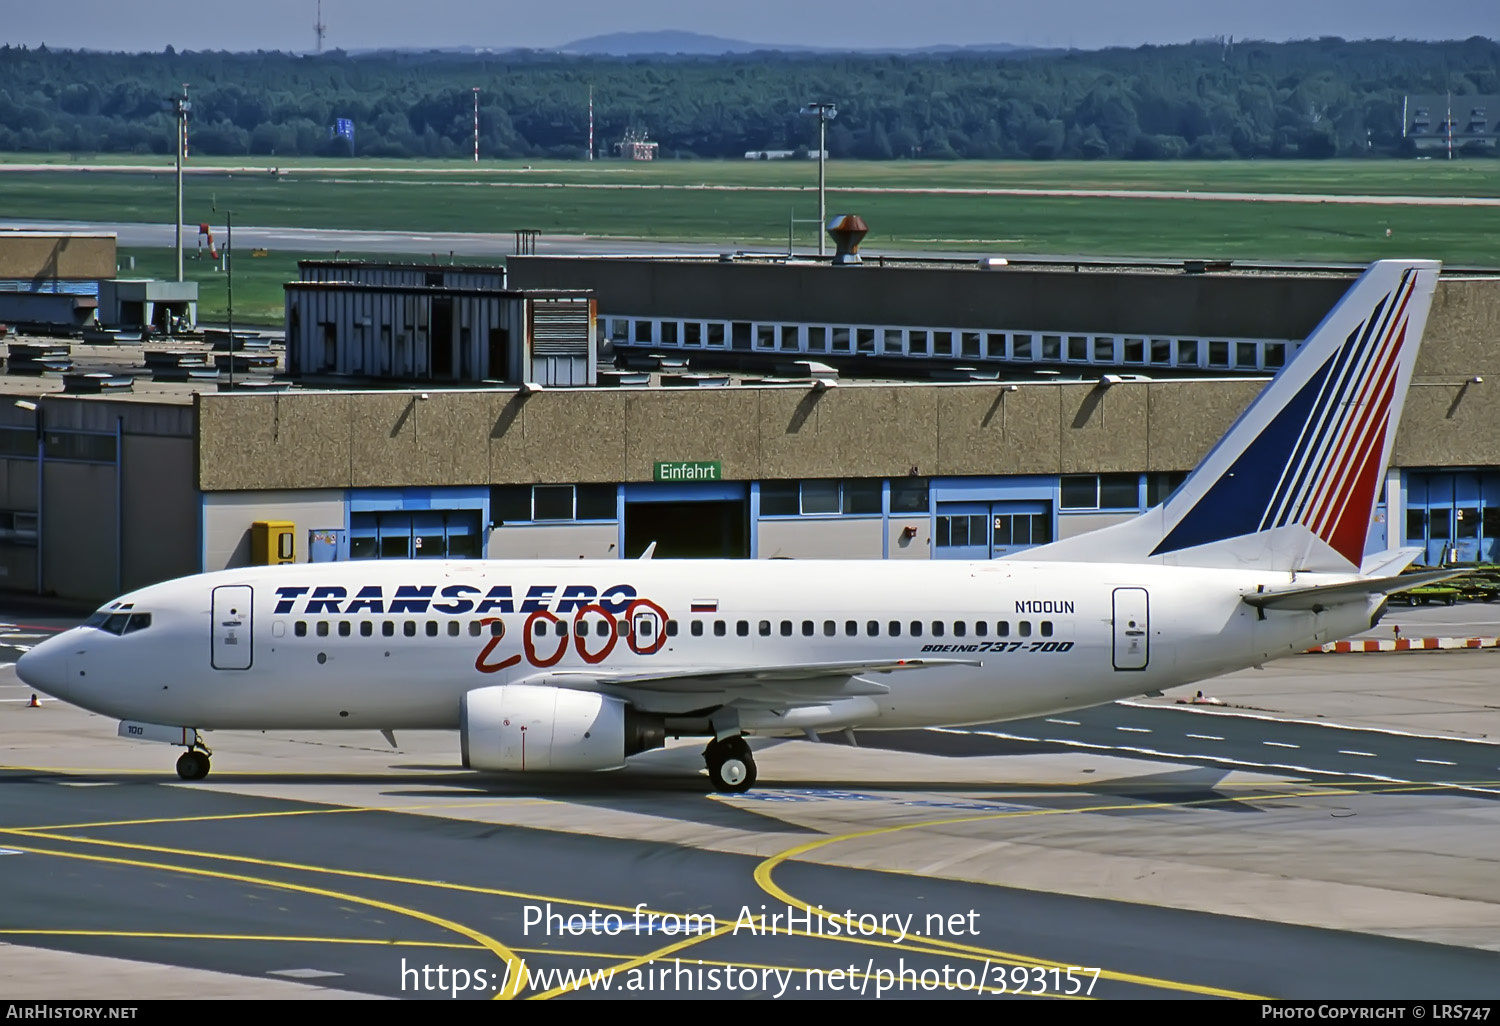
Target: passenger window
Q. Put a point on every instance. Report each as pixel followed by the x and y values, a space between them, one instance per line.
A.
pixel 1024 628
pixel 409 628
pixel 830 628
pixel 388 628
pixel 432 628
pixel 765 628
pixel 561 629
pixel 138 622
pixel 539 628
pixel 719 628
pixel 300 628
pixel 671 628
pixel 937 628
pixel 807 628
pixel 959 628
pixel 895 628
pixel 786 628
pixel 645 629
pixel 344 629
pixel 622 628
pixel 697 628
pixel 742 628
pixel 1002 629
pixel 981 628
pixel 916 628
pixel 1046 628
pixel 322 628
pixel 474 628
pixel 873 628
pixel 851 627
pixel 366 628
pixel 497 629
pixel 453 628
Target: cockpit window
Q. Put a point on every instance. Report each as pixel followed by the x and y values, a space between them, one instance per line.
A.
pixel 119 622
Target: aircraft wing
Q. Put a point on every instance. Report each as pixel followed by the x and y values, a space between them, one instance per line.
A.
pixel 1391 561
pixel 1322 596
pixel 792 676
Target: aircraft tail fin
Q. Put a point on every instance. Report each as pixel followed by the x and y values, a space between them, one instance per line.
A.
pixel 1294 483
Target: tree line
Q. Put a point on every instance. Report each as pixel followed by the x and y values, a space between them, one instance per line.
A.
pixel 1216 99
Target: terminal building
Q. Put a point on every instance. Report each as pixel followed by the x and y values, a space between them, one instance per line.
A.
pixel 767 409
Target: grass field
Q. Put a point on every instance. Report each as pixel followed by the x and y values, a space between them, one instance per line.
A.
pixel 742 203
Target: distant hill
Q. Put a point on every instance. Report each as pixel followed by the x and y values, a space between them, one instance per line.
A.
pixel 634 44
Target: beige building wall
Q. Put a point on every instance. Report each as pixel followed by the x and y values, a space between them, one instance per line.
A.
pixel 918 545
pixel 63 255
pixel 554 541
pixel 811 538
pixel 1070 525
pixel 227 517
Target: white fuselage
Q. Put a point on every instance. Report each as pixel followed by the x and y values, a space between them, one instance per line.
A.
pixel 389 645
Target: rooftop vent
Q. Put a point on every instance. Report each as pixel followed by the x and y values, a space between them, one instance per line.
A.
pixel 847 230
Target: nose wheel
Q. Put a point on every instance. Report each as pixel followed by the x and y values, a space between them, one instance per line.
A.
pixel 731 767
pixel 193 763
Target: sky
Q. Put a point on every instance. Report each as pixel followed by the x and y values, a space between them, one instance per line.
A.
pixel 144 25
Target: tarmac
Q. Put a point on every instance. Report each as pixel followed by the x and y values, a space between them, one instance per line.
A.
pixel 1266 863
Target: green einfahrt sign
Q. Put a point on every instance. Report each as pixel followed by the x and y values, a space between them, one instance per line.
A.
pixel 689 471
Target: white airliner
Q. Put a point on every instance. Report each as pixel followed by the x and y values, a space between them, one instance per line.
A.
pixel 579 665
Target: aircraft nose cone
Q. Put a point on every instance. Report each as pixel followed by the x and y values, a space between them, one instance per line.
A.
pixel 45 666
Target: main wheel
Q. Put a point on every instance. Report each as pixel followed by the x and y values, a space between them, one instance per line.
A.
pixel 192 765
pixel 731 767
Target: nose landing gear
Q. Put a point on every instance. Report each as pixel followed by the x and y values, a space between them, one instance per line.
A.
pixel 193 763
pixel 731 767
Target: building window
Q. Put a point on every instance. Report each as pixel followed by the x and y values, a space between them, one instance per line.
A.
pixel 552 502
pixel 404 534
pixel 820 497
pixel 78 446
pixel 1160 487
pixel 1014 529
pixel 909 495
pixel 1100 491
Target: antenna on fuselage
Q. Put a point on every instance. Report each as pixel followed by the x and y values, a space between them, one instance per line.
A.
pixel 649 550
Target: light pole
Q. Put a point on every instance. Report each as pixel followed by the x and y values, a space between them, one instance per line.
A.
pixel 229 283
pixel 824 112
pixel 179 107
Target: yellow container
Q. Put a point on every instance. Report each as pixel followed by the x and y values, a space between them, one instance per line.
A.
pixel 272 542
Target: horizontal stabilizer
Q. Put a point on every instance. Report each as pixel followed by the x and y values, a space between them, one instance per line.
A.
pixel 790 675
pixel 1391 561
pixel 1326 595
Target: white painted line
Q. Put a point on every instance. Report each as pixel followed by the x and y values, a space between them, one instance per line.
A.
pixel 1066 723
pixel 1205 737
pixel 1438 762
pixel 1367 755
pixel 302 974
pixel 1135 730
pixel 10 851
pixel 1279 744
pixel 1208 711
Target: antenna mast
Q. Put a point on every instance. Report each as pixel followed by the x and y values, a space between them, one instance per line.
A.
pixel 591 122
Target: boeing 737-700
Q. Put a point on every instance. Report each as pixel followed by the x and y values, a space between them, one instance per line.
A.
pixel 579 665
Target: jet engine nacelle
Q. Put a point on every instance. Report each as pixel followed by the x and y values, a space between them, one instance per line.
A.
pixel 526 727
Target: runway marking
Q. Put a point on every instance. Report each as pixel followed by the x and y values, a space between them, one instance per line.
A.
pixel 1438 762
pixel 1135 730
pixel 299 867
pixel 262 938
pixel 641 960
pixel 1279 744
pixel 1367 755
pixel 1206 737
pixel 763 872
pixel 1066 723
pixel 512 962
pixel 302 974
pixel 1202 711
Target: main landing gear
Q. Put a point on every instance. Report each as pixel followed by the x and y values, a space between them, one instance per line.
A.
pixel 730 765
pixel 193 763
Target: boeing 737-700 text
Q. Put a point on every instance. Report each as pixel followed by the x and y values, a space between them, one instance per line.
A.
pixel 580 665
